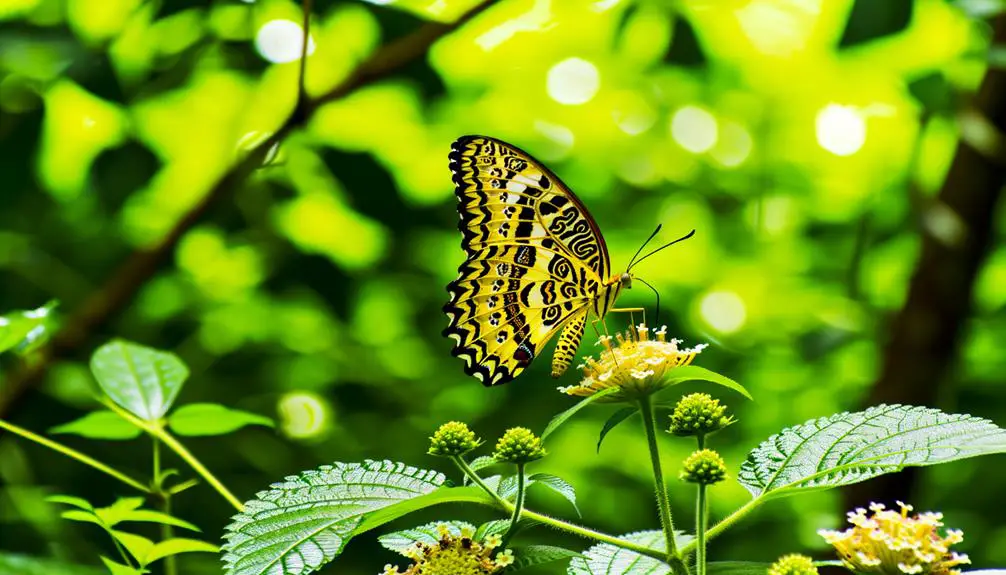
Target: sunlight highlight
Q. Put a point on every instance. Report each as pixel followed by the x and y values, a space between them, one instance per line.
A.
pixel 724 311
pixel 734 145
pixel 281 41
pixel 840 129
pixel 303 414
pixel 573 81
pixel 694 129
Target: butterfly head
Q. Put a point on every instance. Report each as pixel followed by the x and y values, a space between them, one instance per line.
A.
pixel 625 280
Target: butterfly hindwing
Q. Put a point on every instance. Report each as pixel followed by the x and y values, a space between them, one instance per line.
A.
pixel 535 258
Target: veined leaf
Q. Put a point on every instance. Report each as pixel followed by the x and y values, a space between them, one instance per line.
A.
pixel 606 559
pixel 17 564
pixel 480 463
pixel 613 421
pixel 25 330
pixel 470 494
pixel 177 545
pixel 100 425
pixel 532 555
pixel 696 373
pixel 560 419
pixel 142 380
pixel 494 527
pixel 301 524
pixel 198 419
pixel 399 541
pixel 851 447
pixel 557 484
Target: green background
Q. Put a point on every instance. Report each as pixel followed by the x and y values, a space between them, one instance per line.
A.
pixel 805 141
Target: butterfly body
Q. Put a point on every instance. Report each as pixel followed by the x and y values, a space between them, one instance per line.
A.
pixel 536 263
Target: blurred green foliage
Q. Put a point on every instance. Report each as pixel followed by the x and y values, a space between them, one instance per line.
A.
pixel 796 136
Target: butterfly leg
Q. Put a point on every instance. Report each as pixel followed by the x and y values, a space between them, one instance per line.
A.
pixel 631 311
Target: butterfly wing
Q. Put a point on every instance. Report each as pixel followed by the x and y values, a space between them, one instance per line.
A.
pixel 535 258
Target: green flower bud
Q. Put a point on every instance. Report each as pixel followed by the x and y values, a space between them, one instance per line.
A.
pixel 453 438
pixel 705 466
pixel 794 564
pixel 698 414
pixel 519 445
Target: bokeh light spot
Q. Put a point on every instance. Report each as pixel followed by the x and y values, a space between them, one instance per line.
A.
pixel 573 81
pixel 281 41
pixel 724 311
pixel 840 129
pixel 734 145
pixel 303 414
pixel 694 129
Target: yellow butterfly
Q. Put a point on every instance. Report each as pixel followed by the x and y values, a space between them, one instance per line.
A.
pixel 536 263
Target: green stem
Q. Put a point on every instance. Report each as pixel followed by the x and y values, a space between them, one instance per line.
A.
pixel 701 524
pixel 156 430
pixel 725 524
pixel 170 562
pixel 518 505
pixel 74 454
pixel 559 524
pixel 663 501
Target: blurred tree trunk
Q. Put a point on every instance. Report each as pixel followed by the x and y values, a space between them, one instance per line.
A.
pixel 925 335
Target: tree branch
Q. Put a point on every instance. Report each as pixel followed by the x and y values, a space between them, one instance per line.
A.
pixel 121 287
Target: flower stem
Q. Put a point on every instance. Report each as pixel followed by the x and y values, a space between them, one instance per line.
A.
pixel 559 524
pixel 663 502
pixel 74 454
pixel 725 524
pixel 518 505
pixel 156 430
pixel 701 524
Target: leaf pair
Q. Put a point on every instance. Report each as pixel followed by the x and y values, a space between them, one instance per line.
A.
pixel 194 419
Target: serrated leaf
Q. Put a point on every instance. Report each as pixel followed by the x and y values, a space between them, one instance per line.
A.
pixel 557 484
pixel 119 510
pixel 177 546
pixel 480 463
pixel 851 447
pixel 399 541
pixel 18 564
pixel 560 419
pixel 613 421
pixel 200 419
pixel 696 373
pixel 100 425
pixel 25 330
pixel 116 568
pixel 142 380
pixel 301 524
pixel 470 494
pixel 494 527
pixel 151 516
pixel 71 500
pixel 737 568
pixel 532 555
pixel 606 559
pixel 138 546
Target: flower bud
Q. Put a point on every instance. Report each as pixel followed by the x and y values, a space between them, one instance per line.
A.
pixel 453 438
pixel 705 467
pixel 698 414
pixel 794 564
pixel 519 445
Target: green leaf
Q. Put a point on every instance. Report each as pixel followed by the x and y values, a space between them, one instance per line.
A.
pixel 100 425
pixel 116 568
pixel 613 421
pixel 480 463
pixel 139 547
pixel 71 500
pixel 852 447
pixel 557 484
pixel 17 564
pixel 606 559
pixel 737 568
pixel 176 546
pixel 119 510
pixel 212 419
pixel 150 516
pixel 560 419
pixel 300 524
pixel 82 517
pixel 532 555
pixel 399 541
pixel 696 373
pixel 470 494
pixel 494 527
pixel 142 380
pixel 24 331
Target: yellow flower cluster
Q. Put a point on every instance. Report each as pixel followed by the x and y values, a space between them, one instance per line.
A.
pixel 893 543
pixel 454 555
pixel 637 365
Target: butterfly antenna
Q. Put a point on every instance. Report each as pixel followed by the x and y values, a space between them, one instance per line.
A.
pixel 667 245
pixel 656 293
pixel 655 232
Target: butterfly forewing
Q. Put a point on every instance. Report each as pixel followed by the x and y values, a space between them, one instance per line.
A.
pixel 535 258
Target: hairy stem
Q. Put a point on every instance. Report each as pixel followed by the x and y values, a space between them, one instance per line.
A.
pixel 725 524
pixel 518 505
pixel 663 501
pixel 74 454
pixel 701 524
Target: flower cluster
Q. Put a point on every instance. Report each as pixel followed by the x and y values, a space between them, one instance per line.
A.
pixel 893 543
pixel 698 414
pixel 637 365
pixel 519 445
pixel 794 564
pixel 704 467
pixel 460 555
pixel 453 438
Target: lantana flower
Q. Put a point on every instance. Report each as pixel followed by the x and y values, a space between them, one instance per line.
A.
pixel 454 554
pixel 634 363
pixel 893 543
